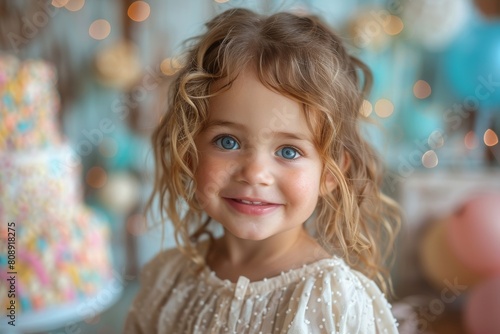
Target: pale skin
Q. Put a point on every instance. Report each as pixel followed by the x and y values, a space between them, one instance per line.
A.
pixel 259 176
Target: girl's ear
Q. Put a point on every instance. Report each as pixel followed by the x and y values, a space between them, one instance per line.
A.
pixel 330 181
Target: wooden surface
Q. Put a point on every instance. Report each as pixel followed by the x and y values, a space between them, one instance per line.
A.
pixel 449 323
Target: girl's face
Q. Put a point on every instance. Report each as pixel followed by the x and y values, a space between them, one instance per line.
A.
pixel 259 172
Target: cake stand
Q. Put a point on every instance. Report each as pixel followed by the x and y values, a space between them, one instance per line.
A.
pixel 65 316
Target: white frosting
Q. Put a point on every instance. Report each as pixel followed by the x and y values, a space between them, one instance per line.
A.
pixel 39 175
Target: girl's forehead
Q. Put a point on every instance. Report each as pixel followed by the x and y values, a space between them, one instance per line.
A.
pixel 228 80
pixel 261 114
pixel 247 85
pixel 247 93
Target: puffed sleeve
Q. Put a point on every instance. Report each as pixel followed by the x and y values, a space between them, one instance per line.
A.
pixel 377 309
pixel 341 300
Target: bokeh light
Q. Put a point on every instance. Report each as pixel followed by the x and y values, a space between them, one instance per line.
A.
pixel 394 26
pixel 96 177
pixel 366 108
pixel 139 11
pixel 59 3
pixel 74 5
pixel 470 140
pixel 490 138
pixel 170 66
pixel 430 159
pixel 436 139
pixel 137 224
pixel 221 1
pixel 421 89
pixel 384 108
pixel 99 29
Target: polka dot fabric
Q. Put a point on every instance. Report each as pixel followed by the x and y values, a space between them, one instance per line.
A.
pixel 324 297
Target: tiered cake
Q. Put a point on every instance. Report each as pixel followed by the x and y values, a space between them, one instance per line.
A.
pixel 61 248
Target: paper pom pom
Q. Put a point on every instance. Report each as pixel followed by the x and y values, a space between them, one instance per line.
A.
pixel 439 265
pixel 482 310
pixel 434 24
pixel 474 233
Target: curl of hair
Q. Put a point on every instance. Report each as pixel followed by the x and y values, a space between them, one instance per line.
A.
pixel 303 59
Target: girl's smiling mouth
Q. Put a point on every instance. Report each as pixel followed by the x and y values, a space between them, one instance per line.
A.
pixel 251 206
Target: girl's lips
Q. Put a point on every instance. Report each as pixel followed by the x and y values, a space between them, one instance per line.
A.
pixel 261 208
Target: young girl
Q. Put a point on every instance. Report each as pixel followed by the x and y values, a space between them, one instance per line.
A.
pixel 261 136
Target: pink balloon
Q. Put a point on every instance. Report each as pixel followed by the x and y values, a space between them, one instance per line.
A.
pixel 474 233
pixel 482 309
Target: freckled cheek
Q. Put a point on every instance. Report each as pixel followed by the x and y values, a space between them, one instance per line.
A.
pixel 211 175
pixel 302 186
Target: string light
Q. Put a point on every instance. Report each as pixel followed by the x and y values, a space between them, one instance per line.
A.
pixel 170 66
pixel 366 108
pixel 59 3
pixel 430 159
pixel 394 26
pixel 435 140
pixel 99 29
pixel 470 140
pixel 490 138
pixel 384 108
pixel 74 5
pixel 421 89
pixel 138 11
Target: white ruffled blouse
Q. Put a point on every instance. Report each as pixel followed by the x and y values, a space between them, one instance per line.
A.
pixel 323 297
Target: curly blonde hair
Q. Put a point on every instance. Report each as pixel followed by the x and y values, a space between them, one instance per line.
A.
pixel 302 58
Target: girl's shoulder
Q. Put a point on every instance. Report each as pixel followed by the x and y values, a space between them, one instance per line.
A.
pixel 343 296
pixel 341 282
pixel 334 277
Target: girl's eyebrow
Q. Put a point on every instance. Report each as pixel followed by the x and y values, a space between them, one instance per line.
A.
pixel 288 135
pixel 217 122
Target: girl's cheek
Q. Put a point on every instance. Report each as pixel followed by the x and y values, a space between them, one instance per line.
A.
pixel 216 171
pixel 304 180
pixel 301 182
pixel 208 183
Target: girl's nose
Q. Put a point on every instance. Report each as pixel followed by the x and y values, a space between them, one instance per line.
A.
pixel 255 169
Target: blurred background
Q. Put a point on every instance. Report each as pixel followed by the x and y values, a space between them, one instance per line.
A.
pixel 433 114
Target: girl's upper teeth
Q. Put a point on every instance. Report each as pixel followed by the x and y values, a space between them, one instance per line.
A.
pixel 249 202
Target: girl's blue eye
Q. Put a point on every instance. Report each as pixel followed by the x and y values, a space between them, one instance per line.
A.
pixel 288 152
pixel 227 143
